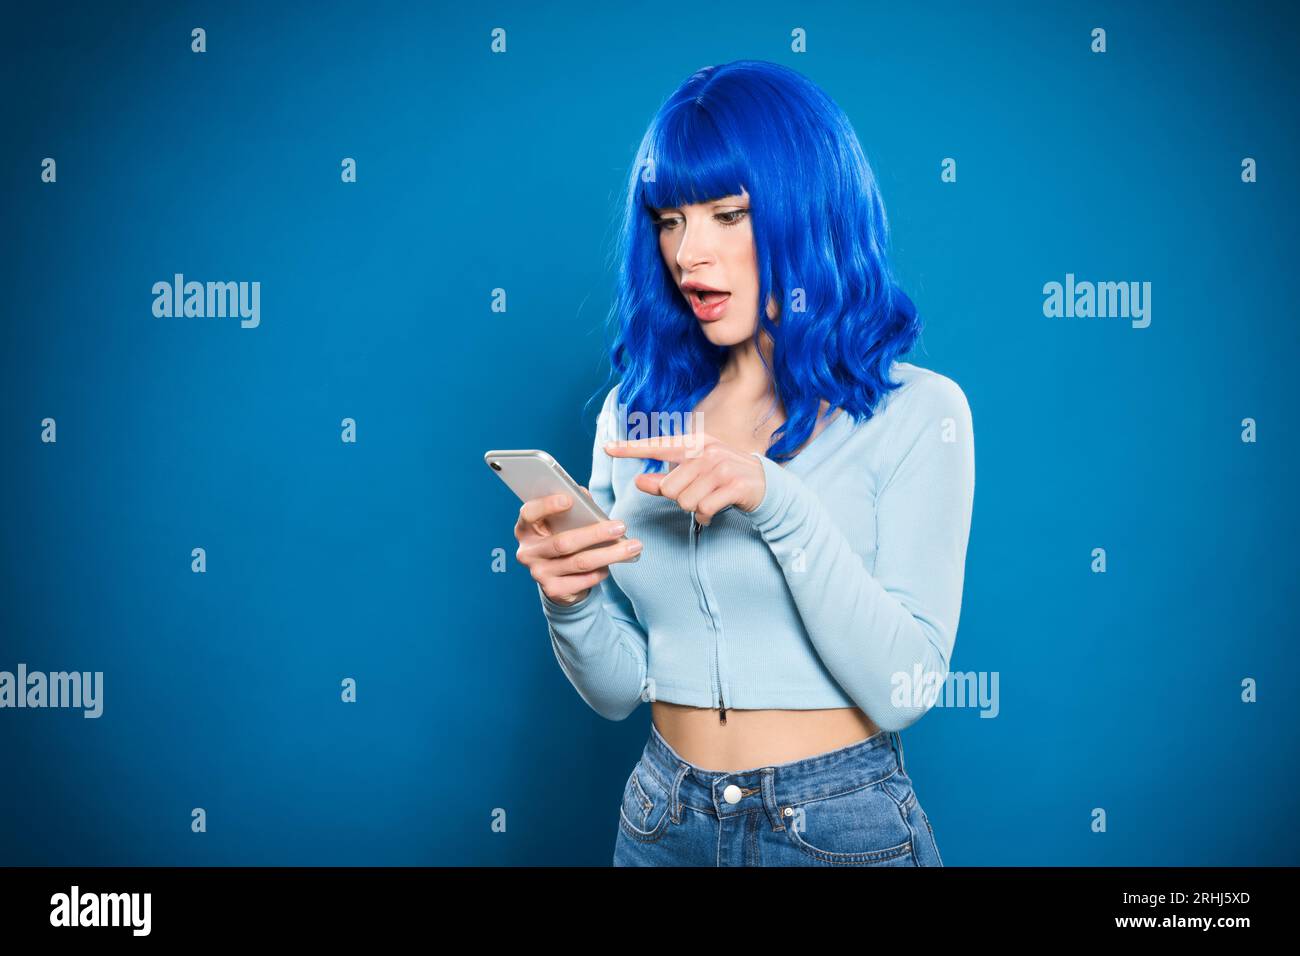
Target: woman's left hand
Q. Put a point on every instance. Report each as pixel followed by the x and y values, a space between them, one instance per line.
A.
pixel 708 475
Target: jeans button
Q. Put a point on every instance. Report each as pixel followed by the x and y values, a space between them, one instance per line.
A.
pixel 731 794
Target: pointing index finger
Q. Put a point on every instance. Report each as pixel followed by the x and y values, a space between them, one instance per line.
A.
pixel 671 448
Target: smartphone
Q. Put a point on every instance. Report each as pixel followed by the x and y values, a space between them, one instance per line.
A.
pixel 532 473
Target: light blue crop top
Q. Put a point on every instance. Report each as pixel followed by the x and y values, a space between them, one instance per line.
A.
pixel 842 588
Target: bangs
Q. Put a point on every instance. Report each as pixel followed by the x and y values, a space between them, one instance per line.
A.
pixel 688 160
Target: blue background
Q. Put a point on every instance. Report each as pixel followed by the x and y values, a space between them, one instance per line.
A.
pixel 476 171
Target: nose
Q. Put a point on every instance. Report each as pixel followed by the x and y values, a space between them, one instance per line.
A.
pixel 695 249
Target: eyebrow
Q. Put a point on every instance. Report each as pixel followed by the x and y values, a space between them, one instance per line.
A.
pixel 737 201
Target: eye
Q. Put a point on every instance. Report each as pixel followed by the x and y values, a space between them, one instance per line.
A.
pixel 729 218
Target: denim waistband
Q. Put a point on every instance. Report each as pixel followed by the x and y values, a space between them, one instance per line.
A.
pixel 771 788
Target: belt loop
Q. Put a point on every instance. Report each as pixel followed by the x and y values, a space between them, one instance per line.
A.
pixel 675 798
pixel 898 748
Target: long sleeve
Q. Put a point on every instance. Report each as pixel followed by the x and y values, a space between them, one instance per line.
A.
pixel 599 643
pixel 878 632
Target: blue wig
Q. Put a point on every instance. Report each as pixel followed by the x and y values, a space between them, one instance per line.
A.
pixel 819 231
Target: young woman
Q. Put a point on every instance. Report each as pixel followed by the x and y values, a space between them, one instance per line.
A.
pixel 802 520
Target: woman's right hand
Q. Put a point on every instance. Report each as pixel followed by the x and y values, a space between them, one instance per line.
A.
pixel 557 562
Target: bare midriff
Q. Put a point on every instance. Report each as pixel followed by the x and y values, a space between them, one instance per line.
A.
pixel 757 738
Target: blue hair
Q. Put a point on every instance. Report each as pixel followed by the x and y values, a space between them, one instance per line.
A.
pixel 819 231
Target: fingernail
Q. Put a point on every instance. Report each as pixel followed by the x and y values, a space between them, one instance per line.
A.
pixel 617 527
pixel 561 500
pixel 633 547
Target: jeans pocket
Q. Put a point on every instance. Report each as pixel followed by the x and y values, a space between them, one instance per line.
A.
pixel 858 827
pixel 926 847
pixel 643 814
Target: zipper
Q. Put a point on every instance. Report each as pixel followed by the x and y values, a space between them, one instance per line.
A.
pixel 697 529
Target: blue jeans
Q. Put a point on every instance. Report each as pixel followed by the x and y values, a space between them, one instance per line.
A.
pixel 849 807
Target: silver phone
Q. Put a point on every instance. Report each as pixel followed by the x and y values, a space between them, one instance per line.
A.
pixel 532 473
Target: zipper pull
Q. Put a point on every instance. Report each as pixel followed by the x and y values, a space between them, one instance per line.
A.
pixel 722 715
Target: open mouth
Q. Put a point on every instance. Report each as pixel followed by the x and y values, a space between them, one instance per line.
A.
pixel 709 305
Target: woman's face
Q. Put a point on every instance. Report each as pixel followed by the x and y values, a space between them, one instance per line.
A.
pixel 711 245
